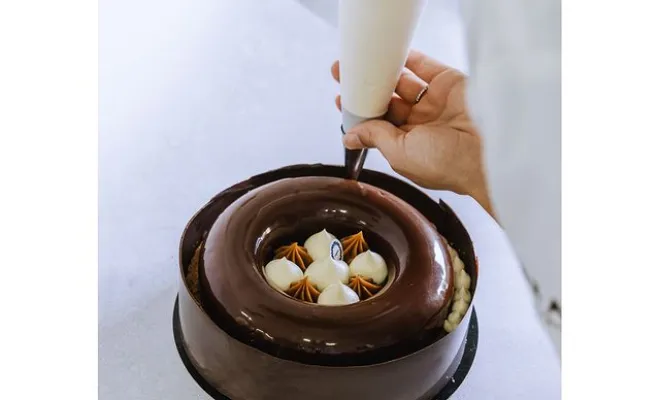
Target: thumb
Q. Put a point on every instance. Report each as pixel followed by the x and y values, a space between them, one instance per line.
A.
pixel 374 133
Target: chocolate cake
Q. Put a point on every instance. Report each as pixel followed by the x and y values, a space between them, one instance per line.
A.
pixel 312 286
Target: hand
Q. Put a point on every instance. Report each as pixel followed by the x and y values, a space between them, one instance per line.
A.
pixel 434 142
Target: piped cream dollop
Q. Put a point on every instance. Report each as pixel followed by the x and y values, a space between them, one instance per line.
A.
pixel 319 245
pixel 462 296
pixel 281 273
pixel 337 294
pixel 369 265
pixel 327 271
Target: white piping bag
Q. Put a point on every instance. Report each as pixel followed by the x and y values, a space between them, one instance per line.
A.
pixel 375 38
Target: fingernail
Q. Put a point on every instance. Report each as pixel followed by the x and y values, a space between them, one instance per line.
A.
pixel 352 141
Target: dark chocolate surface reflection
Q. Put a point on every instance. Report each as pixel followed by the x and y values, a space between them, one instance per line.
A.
pixel 408 314
pixel 244 372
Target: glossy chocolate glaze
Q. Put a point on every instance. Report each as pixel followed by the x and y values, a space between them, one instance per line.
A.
pixel 243 372
pixel 390 325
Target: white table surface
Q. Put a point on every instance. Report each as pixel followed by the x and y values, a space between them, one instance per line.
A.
pixel 198 94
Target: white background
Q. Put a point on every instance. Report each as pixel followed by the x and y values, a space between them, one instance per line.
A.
pixel 48 118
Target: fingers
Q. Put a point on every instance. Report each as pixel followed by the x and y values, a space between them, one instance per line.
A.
pixel 398 110
pixel 418 63
pixel 409 86
pixel 335 70
pixel 424 66
pixel 400 107
pixel 375 134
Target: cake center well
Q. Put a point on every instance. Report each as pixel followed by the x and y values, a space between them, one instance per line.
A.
pixel 328 264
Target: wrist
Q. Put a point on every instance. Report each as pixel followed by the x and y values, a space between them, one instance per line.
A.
pixel 479 191
pixel 483 198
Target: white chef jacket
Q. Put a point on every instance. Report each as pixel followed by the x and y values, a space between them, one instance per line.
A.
pixel 514 96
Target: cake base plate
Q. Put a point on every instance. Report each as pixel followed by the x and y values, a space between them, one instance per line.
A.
pixel 464 359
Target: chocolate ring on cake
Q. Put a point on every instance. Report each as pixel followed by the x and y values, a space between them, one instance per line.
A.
pixel 252 341
pixel 243 239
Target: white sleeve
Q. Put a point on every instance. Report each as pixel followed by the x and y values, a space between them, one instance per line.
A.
pixel 514 95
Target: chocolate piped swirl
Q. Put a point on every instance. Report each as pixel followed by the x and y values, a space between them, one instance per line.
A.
pixel 402 319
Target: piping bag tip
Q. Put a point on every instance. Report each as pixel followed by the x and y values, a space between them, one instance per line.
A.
pixel 354 161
